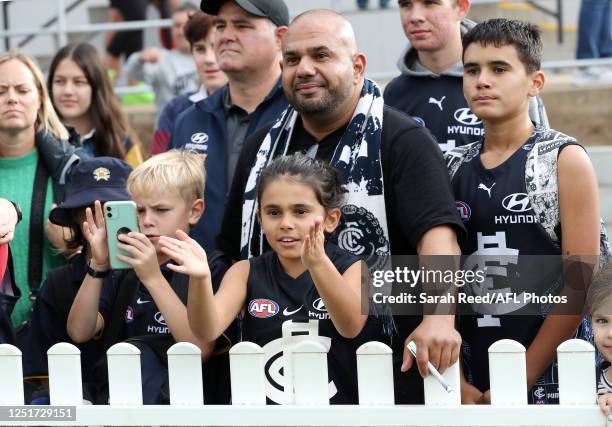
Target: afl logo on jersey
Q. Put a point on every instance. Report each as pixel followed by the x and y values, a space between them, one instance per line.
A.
pixel 129 314
pixel 466 117
pixel 517 202
pixel 263 308
pixel 465 212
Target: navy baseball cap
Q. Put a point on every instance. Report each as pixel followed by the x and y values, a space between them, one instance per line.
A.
pixel 275 10
pixel 100 178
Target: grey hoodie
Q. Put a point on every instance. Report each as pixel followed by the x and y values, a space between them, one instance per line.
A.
pixel 409 64
pixel 437 101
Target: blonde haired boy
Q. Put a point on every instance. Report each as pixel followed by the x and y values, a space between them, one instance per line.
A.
pixel 168 191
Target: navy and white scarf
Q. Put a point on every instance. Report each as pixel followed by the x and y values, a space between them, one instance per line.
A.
pixel 363 228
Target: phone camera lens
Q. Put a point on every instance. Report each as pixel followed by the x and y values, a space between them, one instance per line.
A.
pixel 110 215
pixel 108 208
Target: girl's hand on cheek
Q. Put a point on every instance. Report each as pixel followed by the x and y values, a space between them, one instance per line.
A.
pixel 143 256
pixel 313 247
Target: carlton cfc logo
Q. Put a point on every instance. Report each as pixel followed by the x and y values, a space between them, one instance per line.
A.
pixel 263 308
pixel 465 212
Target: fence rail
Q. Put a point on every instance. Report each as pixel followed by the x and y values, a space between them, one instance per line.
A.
pixel 307 384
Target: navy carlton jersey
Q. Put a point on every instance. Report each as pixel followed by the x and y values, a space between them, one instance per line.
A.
pixel 501 226
pixel 281 311
pixel 142 316
pixel 439 105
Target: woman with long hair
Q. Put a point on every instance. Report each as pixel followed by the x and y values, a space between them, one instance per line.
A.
pixel 83 98
pixel 34 162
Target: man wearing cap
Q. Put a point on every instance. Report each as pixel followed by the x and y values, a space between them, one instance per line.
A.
pixel 100 178
pixel 247 45
pixel 399 199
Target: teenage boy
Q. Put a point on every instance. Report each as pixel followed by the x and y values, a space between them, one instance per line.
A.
pixel 168 191
pixel 430 87
pixel 502 212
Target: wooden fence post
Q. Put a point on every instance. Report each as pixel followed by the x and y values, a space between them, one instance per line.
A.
pixel 185 374
pixel 124 379
pixel 247 374
pixel 65 383
pixel 436 394
pixel 11 375
pixel 310 378
pixel 375 374
pixel 507 373
pixel 577 385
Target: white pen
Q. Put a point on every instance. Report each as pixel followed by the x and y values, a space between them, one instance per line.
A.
pixel 431 368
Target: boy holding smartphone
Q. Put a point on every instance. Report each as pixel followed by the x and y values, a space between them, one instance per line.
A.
pixel 145 305
pixel 548 208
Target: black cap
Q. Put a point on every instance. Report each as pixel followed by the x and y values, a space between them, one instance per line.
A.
pixel 275 10
pixel 100 178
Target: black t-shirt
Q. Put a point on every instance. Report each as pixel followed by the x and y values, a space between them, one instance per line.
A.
pixel 273 298
pixel 418 194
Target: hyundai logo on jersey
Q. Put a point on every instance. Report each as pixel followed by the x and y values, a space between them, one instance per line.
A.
pixel 199 138
pixel 517 202
pixel 466 117
pixel 465 212
pixel 263 308
pixel 159 318
pixel 319 305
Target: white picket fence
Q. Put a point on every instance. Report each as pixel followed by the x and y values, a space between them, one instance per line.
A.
pixel 308 372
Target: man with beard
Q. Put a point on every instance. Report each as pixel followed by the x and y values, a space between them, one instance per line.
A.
pixel 398 189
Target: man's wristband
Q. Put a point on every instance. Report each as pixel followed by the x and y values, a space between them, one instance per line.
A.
pixel 18 210
pixel 97 274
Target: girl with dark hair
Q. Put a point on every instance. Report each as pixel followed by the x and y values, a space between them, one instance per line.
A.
pixel 304 287
pixel 83 98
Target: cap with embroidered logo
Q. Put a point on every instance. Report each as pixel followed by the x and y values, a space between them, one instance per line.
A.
pixel 100 178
